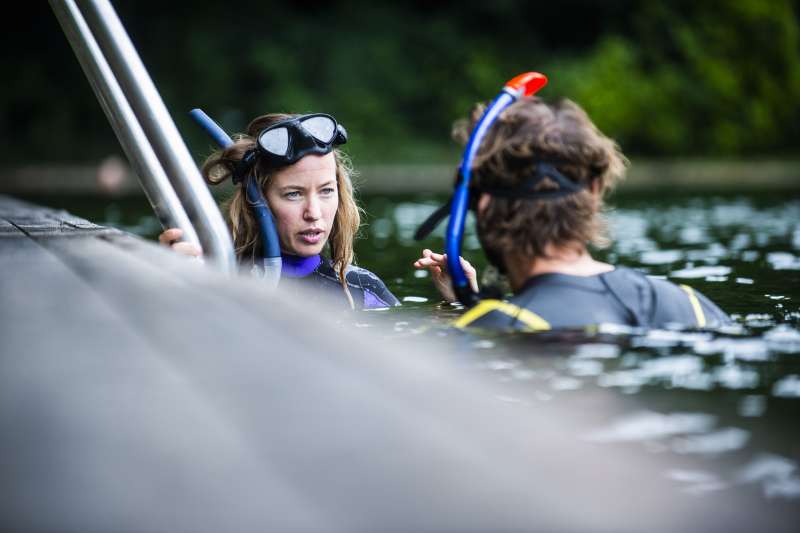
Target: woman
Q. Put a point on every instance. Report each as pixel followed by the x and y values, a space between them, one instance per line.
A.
pixel 538 182
pixel 306 182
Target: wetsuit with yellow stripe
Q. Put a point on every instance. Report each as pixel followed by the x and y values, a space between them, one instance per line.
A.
pixel 622 296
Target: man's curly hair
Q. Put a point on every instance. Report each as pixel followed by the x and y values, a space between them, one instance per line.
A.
pixel 561 134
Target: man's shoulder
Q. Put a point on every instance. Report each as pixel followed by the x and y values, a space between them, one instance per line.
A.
pixel 685 304
pixel 629 297
pixel 501 315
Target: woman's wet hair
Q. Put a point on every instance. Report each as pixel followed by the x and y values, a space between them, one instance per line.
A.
pixel 527 133
pixel 220 166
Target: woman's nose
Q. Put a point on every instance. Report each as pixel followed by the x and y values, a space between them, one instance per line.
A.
pixel 312 210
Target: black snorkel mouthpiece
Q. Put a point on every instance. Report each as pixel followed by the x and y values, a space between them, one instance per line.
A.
pixel 433 220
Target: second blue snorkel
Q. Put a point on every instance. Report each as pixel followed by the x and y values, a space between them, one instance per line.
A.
pixel 523 85
pixel 271 264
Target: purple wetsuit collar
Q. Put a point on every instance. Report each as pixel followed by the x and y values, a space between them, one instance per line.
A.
pixel 299 267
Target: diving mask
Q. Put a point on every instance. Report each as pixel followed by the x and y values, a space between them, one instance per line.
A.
pixel 286 142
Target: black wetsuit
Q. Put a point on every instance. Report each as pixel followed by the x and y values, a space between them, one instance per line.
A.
pixel 622 296
pixel 367 289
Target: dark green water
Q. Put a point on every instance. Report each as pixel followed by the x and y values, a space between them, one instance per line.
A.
pixel 741 249
pixel 723 407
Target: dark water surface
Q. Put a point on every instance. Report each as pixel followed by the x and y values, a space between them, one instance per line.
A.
pixel 724 407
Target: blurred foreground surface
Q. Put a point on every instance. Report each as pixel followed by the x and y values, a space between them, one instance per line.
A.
pixel 140 391
pixel 722 408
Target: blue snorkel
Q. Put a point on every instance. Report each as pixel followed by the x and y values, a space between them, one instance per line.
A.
pixel 523 85
pixel 271 264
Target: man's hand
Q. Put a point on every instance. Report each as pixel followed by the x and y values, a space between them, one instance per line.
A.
pixel 437 265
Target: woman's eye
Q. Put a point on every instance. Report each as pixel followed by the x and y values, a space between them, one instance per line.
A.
pixel 292 195
pixel 327 191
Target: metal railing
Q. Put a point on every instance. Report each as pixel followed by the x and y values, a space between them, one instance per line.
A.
pixel 144 127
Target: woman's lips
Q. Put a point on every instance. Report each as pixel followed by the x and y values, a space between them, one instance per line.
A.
pixel 311 236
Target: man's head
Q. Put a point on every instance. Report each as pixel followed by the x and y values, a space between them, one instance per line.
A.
pixel 539 178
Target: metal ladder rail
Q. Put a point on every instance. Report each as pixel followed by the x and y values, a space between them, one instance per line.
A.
pixel 148 135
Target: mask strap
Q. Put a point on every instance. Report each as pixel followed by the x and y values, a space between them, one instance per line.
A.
pixel 244 166
pixel 526 189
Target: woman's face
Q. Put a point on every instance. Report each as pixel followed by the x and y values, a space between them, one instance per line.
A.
pixel 304 198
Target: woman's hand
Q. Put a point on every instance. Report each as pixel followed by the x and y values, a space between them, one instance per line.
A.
pixel 437 265
pixel 171 238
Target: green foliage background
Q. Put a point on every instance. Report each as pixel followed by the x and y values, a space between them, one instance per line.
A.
pixel 670 78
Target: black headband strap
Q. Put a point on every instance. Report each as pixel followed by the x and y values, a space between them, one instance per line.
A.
pixel 526 188
pixel 301 138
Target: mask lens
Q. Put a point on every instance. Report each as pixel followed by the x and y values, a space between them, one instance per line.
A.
pixel 322 128
pixel 275 141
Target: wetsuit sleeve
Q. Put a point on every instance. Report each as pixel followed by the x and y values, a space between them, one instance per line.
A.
pixel 376 294
pixel 681 304
pixel 714 316
pixel 705 313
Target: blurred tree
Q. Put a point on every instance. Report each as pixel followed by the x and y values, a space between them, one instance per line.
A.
pixel 718 77
pixel 703 78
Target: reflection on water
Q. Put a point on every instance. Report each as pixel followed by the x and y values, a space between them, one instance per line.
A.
pixel 722 406
pixel 724 401
pixel 648 425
